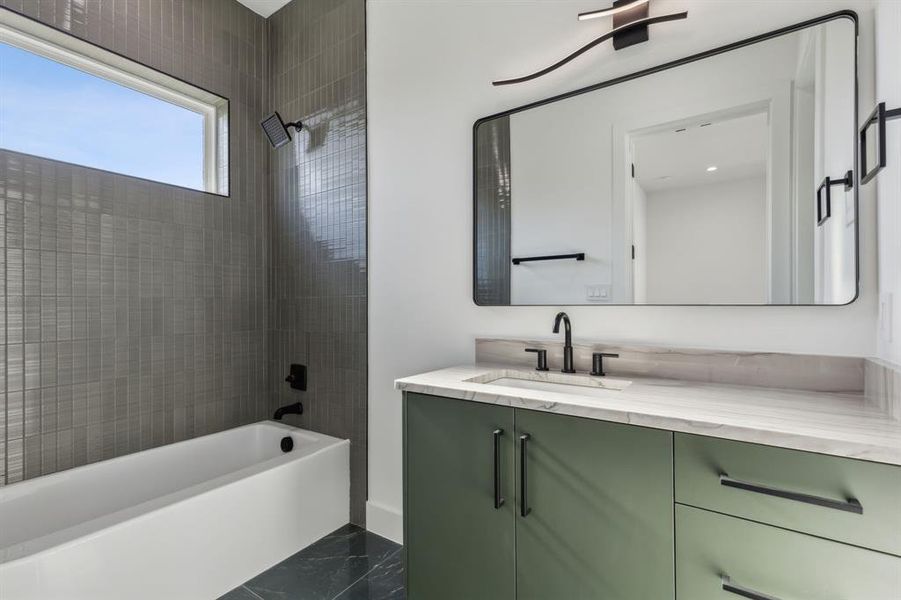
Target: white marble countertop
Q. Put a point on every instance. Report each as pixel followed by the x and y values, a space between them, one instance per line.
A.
pixel 839 424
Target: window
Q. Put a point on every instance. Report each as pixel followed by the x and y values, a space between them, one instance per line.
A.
pixel 68 100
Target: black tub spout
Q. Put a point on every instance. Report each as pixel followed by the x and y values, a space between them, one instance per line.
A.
pixel 291 409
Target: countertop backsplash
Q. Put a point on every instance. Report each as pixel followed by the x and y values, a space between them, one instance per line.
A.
pixel 877 379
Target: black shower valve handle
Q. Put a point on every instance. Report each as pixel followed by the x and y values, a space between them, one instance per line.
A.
pixel 297 377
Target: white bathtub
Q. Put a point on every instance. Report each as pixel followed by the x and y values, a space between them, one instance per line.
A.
pixel 188 521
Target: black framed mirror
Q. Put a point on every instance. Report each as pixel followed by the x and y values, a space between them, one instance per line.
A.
pixel 697 182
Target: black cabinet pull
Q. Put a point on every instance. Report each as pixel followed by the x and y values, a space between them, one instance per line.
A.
pixel 524 509
pixel 850 505
pixel 744 592
pixel 498 499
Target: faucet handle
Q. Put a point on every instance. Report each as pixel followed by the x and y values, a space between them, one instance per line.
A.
pixel 597 362
pixel 542 358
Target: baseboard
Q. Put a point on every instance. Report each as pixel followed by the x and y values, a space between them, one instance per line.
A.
pixel 384 521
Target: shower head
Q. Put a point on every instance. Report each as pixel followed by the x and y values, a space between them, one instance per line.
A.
pixel 277 130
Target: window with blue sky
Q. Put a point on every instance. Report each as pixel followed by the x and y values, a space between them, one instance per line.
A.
pixel 56 111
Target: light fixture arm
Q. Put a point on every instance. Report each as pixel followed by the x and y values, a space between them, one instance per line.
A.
pixel 599 40
pixel 613 10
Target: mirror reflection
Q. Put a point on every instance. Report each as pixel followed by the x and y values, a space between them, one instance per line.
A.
pixel 704 183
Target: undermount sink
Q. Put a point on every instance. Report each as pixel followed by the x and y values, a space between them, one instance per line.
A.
pixel 577 385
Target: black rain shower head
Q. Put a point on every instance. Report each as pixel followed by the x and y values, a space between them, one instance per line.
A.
pixel 277 130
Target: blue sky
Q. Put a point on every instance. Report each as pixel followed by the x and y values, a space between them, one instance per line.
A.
pixel 54 110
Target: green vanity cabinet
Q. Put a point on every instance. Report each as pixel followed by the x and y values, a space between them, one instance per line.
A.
pixel 842 499
pixel 762 522
pixel 599 496
pixel 458 545
pixel 721 557
pixel 515 504
pixel 600 510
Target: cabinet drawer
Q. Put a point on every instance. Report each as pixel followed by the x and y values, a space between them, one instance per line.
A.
pixel 721 558
pixel 842 499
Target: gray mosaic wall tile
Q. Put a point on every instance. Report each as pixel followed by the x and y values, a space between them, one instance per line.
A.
pixel 493 196
pixel 318 272
pixel 135 314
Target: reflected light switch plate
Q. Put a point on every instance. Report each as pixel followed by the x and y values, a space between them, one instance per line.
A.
pixel 598 293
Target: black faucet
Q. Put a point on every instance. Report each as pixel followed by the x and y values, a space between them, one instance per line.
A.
pixel 291 409
pixel 568 341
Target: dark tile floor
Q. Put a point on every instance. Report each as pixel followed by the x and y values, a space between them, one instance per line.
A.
pixel 348 564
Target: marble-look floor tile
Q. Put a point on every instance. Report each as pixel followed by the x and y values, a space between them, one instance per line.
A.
pixel 240 593
pixel 385 582
pixel 326 568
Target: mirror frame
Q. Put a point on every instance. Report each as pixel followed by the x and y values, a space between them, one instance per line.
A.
pixel 842 14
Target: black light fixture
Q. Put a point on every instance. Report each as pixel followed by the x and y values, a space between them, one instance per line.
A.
pixel 630 26
pixel 824 195
pixel 277 130
pixel 618 7
pixel 872 142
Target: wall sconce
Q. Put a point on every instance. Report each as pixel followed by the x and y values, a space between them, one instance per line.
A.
pixel 630 27
pixel 872 142
pixel 824 195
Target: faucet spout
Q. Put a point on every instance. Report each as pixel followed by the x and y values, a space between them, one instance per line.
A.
pixel 567 327
pixel 567 341
pixel 291 409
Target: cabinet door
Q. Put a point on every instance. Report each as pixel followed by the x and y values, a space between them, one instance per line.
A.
pixel 459 545
pixel 599 498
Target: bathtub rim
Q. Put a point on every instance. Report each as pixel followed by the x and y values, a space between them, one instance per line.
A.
pixel 92 528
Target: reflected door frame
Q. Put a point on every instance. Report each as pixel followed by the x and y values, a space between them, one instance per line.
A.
pixel 776 101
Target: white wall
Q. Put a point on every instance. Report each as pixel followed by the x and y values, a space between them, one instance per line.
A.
pixel 888 183
pixel 560 200
pixel 566 160
pixel 708 244
pixel 834 239
pixel 640 243
pixel 429 67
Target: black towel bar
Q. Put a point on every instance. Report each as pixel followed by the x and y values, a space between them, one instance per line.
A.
pixel 577 256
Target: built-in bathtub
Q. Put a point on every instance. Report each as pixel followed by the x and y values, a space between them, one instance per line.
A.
pixel 190 521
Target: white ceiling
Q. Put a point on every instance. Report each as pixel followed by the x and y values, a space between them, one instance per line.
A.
pixel 669 159
pixel 264 7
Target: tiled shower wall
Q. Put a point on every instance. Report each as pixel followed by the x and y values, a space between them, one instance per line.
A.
pixel 318 273
pixel 135 313
pixel 493 197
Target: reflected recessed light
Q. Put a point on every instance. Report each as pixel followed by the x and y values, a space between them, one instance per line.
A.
pixel 711 169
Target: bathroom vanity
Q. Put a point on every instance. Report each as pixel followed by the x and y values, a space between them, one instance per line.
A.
pixel 766 477
pixel 538 485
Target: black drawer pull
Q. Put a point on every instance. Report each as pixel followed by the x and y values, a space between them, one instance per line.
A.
pixel 850 505
pixel 498 499
pixel 744 592
pixel 524 509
